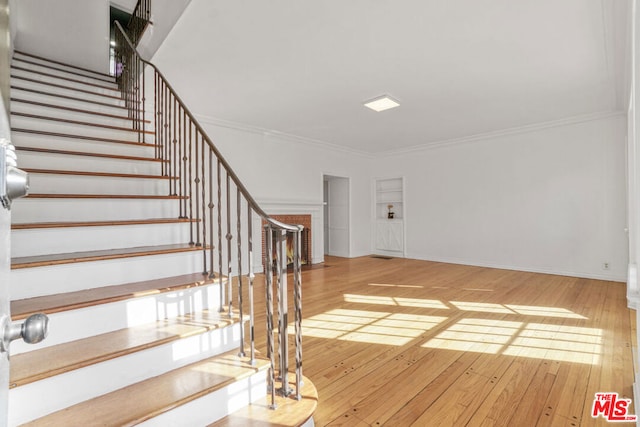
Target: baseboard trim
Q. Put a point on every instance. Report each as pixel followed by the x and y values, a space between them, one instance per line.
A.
pixel 584 275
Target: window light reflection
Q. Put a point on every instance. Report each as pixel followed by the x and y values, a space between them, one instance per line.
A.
pixel 511 335
pixel 541 341
pixel 531 310
pixel 369 326
pixel 484 307
pixel 395 301
pixel 388 285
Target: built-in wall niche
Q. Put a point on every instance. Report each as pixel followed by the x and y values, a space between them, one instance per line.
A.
pixel 388 232
pixel 389 198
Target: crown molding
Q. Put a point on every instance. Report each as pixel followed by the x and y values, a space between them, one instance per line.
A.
pixel 504 132
pixel 416 148
pixel 280 135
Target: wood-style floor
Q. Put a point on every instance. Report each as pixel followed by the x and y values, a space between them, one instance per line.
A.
pixel 403 342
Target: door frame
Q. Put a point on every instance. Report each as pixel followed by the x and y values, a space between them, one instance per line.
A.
pixel 5 215
pixel 344 183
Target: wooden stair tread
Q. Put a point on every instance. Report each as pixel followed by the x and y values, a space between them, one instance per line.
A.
pixel 71 88
pixel 144 400
pixel 81 123
pixel 54 360
pixel 84 153
pixel 63 63
pixel 75 110
pixel 101 174
pixel 39 64
pixel 85 137
pixel 103 196
pixel 49 304
pixel 289 412
pixel 68 224
pixel 69 79
pixel 101 255
pixel 72 98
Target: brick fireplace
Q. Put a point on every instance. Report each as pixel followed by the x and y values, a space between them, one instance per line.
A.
pixel 305 249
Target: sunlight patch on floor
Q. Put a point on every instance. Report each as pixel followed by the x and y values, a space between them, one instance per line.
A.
pixel 531 310
pixel 463 345
pixel 527 310
pixel 558 342
pixel 477 335
pixel 515 337
pixel 485 307
pixel 396 301
pixel 388 285
pixel 374 328
pixel 536 340
pixel 576 334
pixel 496 326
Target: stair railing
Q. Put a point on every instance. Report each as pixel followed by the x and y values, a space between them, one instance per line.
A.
pixel 206 188
pixel 139 20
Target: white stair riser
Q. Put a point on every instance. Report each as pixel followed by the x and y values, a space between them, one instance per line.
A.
pixel 94 380
pixel 110 108
pixel 24 139
pixel 90 86
pixel 88 95
pixel 214 406
pixel 74 129
pixel 35 160
pixel 43 241
pixel 46 67
pixel 62 75
pixel 55 210
pixel 78 184
pixel 97 379
pixel 23 107
pixel 81 323
pixel 49 280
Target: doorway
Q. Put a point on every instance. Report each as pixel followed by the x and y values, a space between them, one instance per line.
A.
pixel 123 17
pixel 336 216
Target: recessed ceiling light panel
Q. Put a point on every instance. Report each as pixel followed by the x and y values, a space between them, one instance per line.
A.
pixel 382 103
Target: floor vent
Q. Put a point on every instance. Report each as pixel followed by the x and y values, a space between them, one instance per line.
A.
pixel 381 257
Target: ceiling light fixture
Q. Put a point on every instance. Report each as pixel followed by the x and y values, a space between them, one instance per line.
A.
pixel 381 103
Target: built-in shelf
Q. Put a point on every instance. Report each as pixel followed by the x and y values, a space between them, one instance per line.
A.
pixel 389 232
pixel 389 191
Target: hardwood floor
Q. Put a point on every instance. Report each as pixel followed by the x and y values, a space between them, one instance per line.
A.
pixel 403 342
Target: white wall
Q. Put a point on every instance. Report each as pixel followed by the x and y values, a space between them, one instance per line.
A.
pixel 282 172
pixel 13 24
pixel 286 175
pixel 551 200
pixel 66 30
pixel 164 15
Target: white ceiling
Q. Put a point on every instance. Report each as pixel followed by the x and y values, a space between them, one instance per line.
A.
pixel 459 67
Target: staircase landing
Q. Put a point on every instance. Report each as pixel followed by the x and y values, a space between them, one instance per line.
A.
pixel 289 412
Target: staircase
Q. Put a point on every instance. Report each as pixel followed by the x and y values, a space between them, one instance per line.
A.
pixel 143 323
